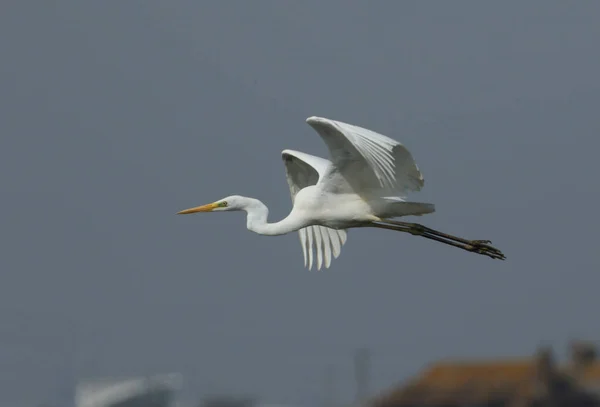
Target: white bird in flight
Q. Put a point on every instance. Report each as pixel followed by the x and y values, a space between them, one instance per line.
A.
pixel 365 183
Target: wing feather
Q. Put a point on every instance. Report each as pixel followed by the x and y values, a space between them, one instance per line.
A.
pixel 319 246
pixel 304 243
pixel 369 161
pixel 309 232
pixel 326 246
pixel 335 242
pixel 322 242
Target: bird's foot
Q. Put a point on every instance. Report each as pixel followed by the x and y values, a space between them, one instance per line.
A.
pixel 483 247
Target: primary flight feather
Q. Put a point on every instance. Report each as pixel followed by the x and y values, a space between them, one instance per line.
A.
pixel 365 183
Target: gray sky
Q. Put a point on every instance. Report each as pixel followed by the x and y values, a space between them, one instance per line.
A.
pixel 115 115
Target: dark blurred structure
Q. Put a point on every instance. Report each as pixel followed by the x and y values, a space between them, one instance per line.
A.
pixel 530 382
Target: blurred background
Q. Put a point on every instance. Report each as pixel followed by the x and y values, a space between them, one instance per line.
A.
pixel 116 115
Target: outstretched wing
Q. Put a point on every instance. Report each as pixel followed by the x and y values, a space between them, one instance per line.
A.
pixel 369 161
pixel 326 242
pixel 303 170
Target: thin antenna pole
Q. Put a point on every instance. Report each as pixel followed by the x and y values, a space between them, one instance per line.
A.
pixel 361 372
pixel 329 390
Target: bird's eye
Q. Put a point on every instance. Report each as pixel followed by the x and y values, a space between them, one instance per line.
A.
pixel 223 204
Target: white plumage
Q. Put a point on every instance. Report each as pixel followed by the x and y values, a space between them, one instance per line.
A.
pixel 365 183
pixel 363 162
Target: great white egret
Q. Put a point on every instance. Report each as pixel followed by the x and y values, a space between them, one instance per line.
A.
pixel 364 184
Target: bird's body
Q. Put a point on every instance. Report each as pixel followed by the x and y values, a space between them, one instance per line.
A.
pixel 365 183
pixel 317 206
pixel 338 211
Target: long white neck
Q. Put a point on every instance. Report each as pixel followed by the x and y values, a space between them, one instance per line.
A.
pixel 257 220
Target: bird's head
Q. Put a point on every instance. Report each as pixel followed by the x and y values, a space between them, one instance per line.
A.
pixel 230 203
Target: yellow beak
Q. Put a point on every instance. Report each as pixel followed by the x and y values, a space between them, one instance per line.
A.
pixel 203 208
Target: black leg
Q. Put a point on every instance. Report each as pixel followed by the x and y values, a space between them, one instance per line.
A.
pixel 476 246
